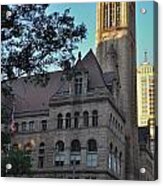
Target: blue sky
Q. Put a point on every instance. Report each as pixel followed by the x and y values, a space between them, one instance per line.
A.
pixel 86 12
pixel 144 31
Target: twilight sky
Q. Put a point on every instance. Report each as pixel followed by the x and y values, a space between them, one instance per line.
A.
pixel 86 12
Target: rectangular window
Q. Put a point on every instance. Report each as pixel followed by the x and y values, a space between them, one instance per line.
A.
pixel 78 86
pixel 75 160
pixel 105 15
pixel 110 161
pixel 59 160
pixel 91 160
pixel 40 162
pixel 44 125
pixel 111 14
pixel 31 126
pixel 24 126
pixel 118 14
pixel 76 120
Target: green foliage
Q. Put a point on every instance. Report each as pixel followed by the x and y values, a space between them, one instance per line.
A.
pixel 5 139
pixel 31 40
pixel 20 162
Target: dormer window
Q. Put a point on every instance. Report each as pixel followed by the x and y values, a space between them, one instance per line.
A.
pixel 78 84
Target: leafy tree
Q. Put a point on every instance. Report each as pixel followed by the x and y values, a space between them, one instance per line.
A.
pixel 20 161
pixel 31 40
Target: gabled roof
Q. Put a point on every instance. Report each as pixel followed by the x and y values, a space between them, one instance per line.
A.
pixel 32 98
pixel 95 73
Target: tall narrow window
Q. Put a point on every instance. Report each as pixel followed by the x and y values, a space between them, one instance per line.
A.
pixel 75 146
pixel 31 126
pixel 42 148
pixel 86 118
pixel 91 153
pixel 59 146
pixel 110 156
pixel 59 155
pixel 68 120
pixel 111 14
pixel 120 163
pixel 24 126
pixel 105 15
pixel 40 162
pixel 41 155
pixel 92 146
pixel 118 14
pixel 110 120
pixel 60 121
pixel 76 120
pixel 44 125
pixel 115 160
pixel 94 118
pixel 78 84
pixel 75 152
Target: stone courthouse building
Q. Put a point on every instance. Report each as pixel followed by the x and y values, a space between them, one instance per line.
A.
pixel 85 126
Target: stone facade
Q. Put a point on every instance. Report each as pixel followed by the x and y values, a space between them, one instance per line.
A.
pixel 116 29
pixel 83 124
pixel 104 124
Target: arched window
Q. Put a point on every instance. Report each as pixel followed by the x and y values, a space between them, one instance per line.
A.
pixel 60 121
pixel 92 146
pixel 41 155
pixel 68 120
pixel 59 156
pixel 91 153
pixel 75 146
pixel 75 153
pixel 76 120
pixel 94 118
pixel 86 118
pixel 59 146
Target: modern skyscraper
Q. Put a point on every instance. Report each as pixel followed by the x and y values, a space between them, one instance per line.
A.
pixel 146 94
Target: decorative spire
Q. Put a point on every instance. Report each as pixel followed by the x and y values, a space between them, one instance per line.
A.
pixel 79 55
pixel 145 57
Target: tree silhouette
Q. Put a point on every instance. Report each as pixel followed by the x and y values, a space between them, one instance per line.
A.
pixel 31 40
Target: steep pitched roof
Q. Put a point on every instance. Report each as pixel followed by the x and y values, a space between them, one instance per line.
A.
pixel 30 97
pixel 95 73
